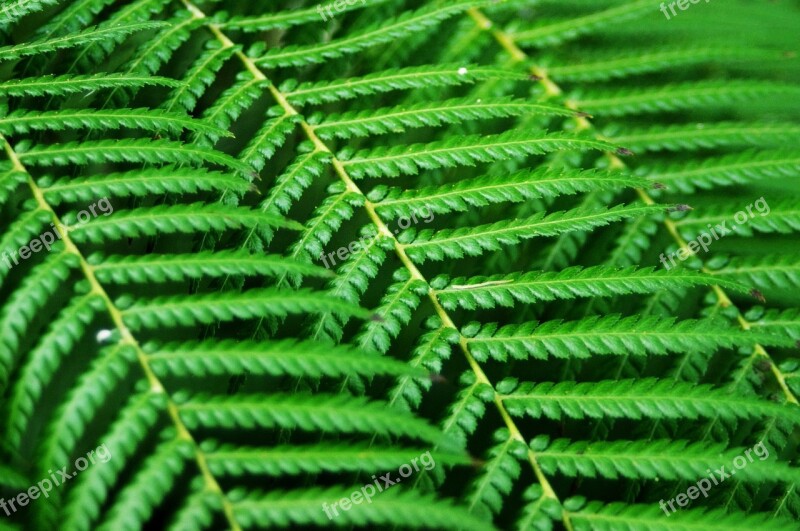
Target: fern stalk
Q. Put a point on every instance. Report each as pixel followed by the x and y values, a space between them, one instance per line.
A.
pixel 384 230
pixel 127 337
pixel 582 123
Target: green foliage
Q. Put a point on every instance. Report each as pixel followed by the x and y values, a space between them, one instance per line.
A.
pixel 597 281
pixel 333 243
pixel 634 335
pixel 636 399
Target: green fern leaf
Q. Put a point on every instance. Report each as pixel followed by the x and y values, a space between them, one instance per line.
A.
pixel 141 183
pixel 83 38
pixel 704 136
pixel 335 238
pixel 636 399
pixel 131 151
pixel 487 190
pixel 398 119
pixel 473 241
pixel 19 122
pixel 608 335
pixel 307 359
pixel 675 97
pixel 404 160
pixel 68 84
pixel 618 516
pixel 189 311
pixel 404 25
pixel 391 80
pixel 528 288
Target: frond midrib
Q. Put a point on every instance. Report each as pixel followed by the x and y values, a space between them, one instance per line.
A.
pixel 127 338
pixel 383 229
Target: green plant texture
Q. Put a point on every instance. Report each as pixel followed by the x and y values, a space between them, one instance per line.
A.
pixel 536 262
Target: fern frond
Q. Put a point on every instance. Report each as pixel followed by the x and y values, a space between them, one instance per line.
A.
pixel 464 151
pixel 559 32
pixel 154 53
pixel 158 268
pixel 331 214
pixel 649 460
pixel 14 10
pixel 598 281
pixel 486 190
pixel 393 312
pixel 135 422
pixel 233 102
pixel 465 413
pixel 271 136
pixel 398 28
pixel 145 119
pixel 433 348
pixel 295 179
pixel 237 461
pixel 398 119
pixel 730 170
pixel 10 181
pixel 72 17
pixel 221 331
pixel 303 507
pixel 83 38
pixel 139 499
pixel 390 80
pixel 43 361
pixel 636 399
pixel 24 229
pixel 286 357
pixel 783 217
pixel 200 76
pixel 12 479
pixel 88 397
pixel 786 322
pixel 97 53
pixel 614 67
pixel 352 279
pixel 181 310
pixel 129 150
pixel 474 241
pixel 72 84
pixel 707 136
pixel 540 511
pixel 684 96
pixel 198 511
pixel 171 219
pixel 770 272
pixel 649 517
pixel 609 335
pixel 496 481
pixel 318 413
pixel 141 183
pixel 25 303
pixel 288 19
